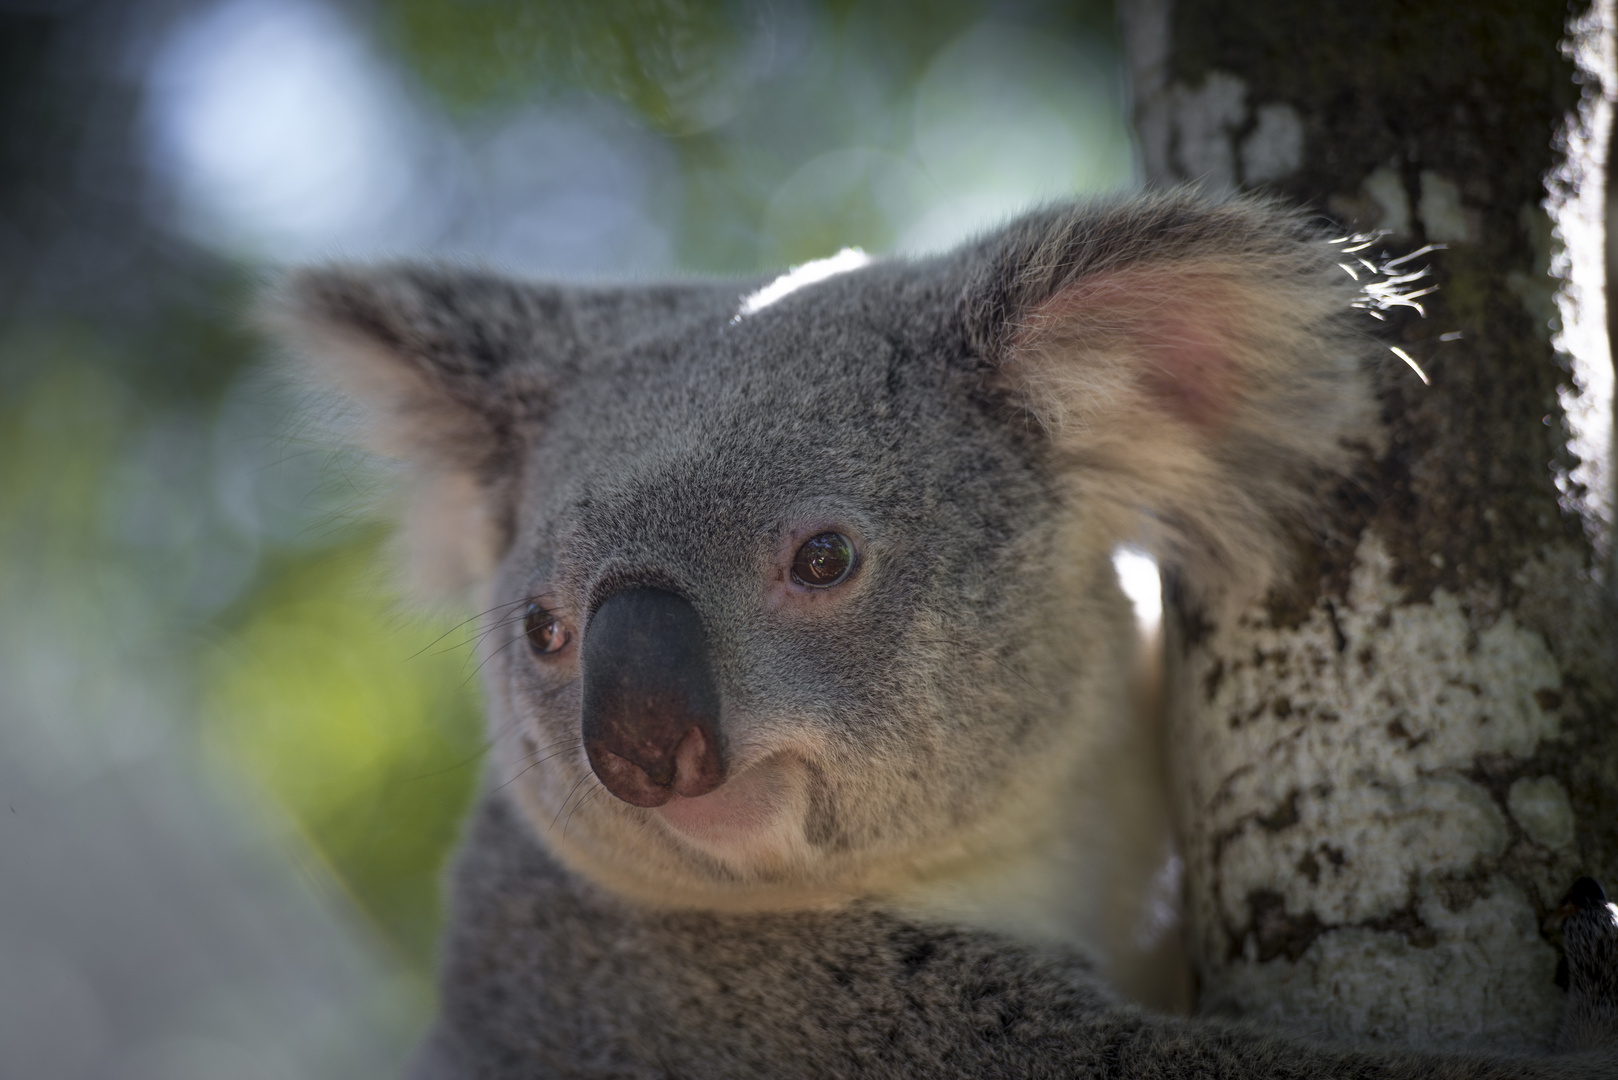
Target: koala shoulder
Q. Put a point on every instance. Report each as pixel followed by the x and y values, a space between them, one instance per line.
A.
pixel 855 991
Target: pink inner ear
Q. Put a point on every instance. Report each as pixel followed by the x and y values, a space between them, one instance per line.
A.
pixel 1173 322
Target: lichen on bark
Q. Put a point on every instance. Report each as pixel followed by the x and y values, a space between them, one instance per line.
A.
pixel 1388 770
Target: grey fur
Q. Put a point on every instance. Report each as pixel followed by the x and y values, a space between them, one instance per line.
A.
pixel 952 817
pixel 1590 938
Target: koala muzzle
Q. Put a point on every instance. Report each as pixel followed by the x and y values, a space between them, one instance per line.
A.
pixel 651 705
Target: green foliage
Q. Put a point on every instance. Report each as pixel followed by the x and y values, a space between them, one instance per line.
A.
pixel 662 57
pixel 361 723
pixel 61 407
pixel 667 58
pixel 358 724
pixel 795 129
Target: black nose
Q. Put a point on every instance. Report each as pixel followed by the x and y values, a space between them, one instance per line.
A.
pixel 651 708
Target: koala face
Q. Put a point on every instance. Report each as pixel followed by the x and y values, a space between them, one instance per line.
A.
pixel 809 598
pixel 819 541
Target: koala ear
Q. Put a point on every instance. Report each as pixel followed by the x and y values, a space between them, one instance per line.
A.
pixel 446 368
pixel 1196 361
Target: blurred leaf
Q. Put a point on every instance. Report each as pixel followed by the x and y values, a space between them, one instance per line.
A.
pixel 360 725
pixel 63 420
pixel 661 57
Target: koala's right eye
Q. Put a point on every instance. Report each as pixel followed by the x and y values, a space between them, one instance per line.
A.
pixel 823 561
pixel 545 631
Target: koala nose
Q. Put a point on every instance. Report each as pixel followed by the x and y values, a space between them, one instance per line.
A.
pixel 651 707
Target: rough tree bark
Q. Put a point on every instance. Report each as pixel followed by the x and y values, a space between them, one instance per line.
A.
pixel 1391 769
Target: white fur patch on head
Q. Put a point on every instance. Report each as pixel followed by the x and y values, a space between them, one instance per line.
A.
pixel 799 276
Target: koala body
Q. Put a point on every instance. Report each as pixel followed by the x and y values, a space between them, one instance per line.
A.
pixel 811 686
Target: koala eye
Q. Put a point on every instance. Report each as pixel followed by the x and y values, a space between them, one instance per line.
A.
pixel 545 632
pixel 823 560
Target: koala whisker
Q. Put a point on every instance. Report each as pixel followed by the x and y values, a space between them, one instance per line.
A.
pixel 491 628
pixel 479 639
pixel 514 726
pixel 463 763
pixel 488 744
pixel 477 670
pixel 560 746
pixel 540 761
pixel 504 621
pixel 511 619
pixel 462 623
pixel 586 797
pixel 555 754
pixel 570 793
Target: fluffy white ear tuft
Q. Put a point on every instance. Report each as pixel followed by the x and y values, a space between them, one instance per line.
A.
pixel 1197 362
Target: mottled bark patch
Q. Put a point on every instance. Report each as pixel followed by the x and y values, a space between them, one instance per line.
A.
pixel 1441 662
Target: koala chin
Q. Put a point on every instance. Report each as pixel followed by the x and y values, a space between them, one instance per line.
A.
pixel 818 747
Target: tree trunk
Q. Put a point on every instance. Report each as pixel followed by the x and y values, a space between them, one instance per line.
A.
pixel 1391 769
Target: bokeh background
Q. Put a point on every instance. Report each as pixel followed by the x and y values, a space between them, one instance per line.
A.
pixel 232 758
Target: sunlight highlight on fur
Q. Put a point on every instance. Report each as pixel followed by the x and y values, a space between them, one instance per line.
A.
pixel 850 258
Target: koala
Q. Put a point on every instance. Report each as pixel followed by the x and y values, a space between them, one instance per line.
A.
pixel 816 741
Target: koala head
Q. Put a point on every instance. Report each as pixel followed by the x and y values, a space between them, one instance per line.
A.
pixel 802 592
